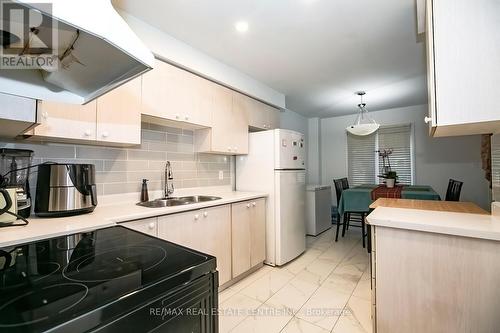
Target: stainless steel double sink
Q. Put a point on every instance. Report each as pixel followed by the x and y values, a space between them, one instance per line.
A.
pixel 177 201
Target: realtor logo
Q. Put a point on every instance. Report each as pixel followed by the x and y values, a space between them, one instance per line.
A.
pixel 28 36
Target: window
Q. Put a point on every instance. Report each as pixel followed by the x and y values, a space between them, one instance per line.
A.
pixel 364 164
pixel 495 166
pixel 361 159
pixel 398 138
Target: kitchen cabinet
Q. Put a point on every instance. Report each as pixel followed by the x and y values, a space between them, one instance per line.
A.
pixel 66 121
pixel 113 118
pixel 147 226
pixel 206 230
pixel 119 115
pixel 248 223
pixel 259 115
pixel 463 69
pixel 229 132
pixel 433 282
pixel 174 94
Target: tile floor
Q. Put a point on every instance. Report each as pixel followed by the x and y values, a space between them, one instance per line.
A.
pixel 326 289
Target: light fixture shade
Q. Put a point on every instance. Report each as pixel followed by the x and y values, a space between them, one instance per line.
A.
pixel 363 129
pixel 364 124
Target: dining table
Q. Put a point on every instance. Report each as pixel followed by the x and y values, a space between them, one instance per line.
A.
pixel 359 198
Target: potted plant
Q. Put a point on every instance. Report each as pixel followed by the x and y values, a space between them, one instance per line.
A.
pixel 390 178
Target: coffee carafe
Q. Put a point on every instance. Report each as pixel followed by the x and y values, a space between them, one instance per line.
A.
pixel 14 168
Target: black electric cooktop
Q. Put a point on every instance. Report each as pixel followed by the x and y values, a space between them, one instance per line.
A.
pixel 77 282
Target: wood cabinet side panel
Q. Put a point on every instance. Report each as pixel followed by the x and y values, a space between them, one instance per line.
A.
pixel 429 282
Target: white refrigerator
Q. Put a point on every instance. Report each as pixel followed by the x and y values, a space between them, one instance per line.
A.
pixel 275 165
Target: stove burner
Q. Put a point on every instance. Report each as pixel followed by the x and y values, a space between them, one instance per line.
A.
pixel 29 274
pixel 115 263
pixel 37 305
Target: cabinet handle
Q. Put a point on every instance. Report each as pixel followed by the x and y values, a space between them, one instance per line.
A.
pixel 427 119
pixel 196 217
pixel 88 133
pixel 254 204
pixel 248 205
pixel 205 214
pixel 105 134
pixel 151 225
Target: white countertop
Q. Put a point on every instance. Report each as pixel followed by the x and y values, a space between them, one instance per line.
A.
pixel 458 224
pixel 111 211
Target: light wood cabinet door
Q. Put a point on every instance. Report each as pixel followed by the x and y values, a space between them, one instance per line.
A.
pixel 202 95
pixel 241 237
pixel 166 93
pixel 222 120
pixel 465 45
pixel 119 114
pixel 258 232
pixel 207 231
pixel 147 226
pixel 66 121
pixel 183 229
pixel 216 230
pixel 239 130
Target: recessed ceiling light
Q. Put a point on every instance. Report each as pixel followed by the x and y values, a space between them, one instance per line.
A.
pixel 241 26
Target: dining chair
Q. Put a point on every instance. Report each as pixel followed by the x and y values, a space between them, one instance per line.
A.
pixel 453 191
pixel 342 184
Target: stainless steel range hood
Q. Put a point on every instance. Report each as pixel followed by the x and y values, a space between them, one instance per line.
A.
pixel 96 52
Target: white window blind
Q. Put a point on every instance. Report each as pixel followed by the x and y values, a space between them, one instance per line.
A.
pixel 363 162
pixel 495 166
pixel 397 138
pixel 361 159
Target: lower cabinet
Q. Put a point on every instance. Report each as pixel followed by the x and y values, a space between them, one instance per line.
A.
pixel 206 230
pixel 235 234
pixel 147 226
pixel 248 228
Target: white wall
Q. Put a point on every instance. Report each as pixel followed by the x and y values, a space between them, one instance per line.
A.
pixel 293 121
pixel 170 49
pixel 436 159
pixel 314 151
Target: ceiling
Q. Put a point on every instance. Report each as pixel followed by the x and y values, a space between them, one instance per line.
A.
pixel 316 52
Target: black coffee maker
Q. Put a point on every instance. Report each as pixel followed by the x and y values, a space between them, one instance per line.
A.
pixel 14 173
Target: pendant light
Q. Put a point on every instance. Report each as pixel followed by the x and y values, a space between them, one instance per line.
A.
pixel 364 124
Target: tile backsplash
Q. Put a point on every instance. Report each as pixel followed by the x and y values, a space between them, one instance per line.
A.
pixel 121 170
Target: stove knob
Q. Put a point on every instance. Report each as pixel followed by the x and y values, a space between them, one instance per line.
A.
pixel 205 214
pixel 254 204
pixel 196 216
pixel 248 205
pixel 151 225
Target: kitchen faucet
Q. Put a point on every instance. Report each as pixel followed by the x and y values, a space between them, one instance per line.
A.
pixel 169 180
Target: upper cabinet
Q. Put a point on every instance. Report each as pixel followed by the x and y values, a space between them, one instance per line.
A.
pixel 220 116
pixel 260 116
pixel 118 114
pixel 463 46
pixel 62 121
pixel 114 118
pixel 174 94
pixel 229 132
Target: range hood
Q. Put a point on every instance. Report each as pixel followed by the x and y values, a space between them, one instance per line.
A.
pixel 94 48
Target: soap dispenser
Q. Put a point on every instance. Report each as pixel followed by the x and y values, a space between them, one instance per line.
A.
pixel 144 191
